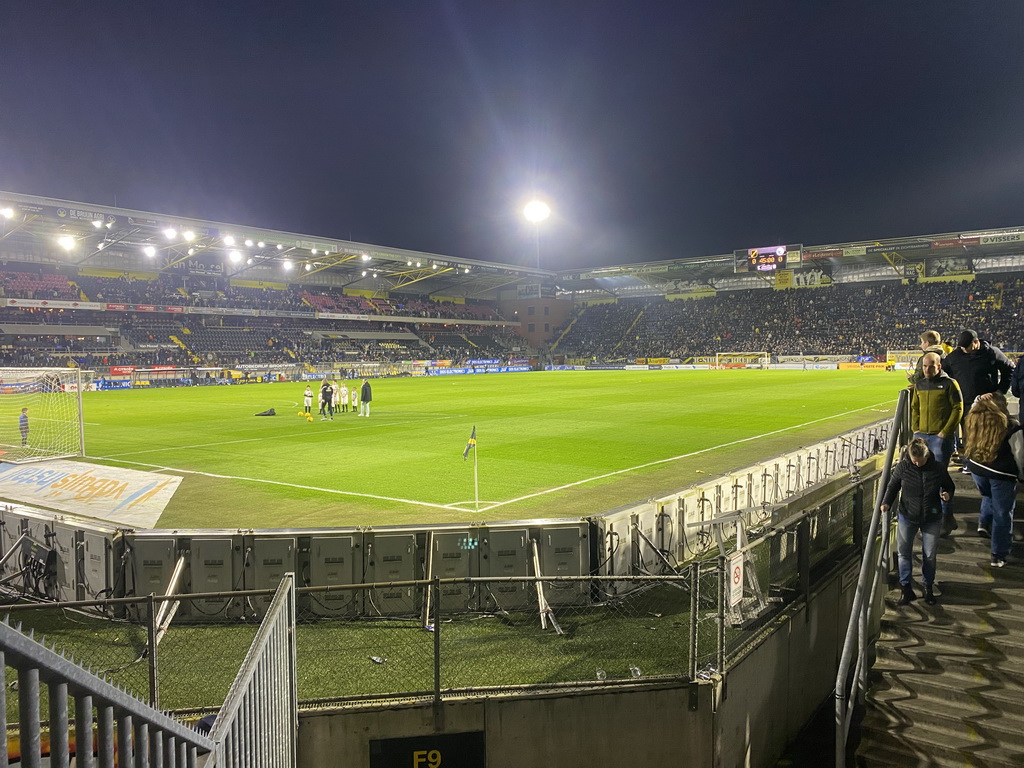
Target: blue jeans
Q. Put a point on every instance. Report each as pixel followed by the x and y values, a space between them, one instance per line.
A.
pixel 942 449
pixel 906 532
pixel 998 498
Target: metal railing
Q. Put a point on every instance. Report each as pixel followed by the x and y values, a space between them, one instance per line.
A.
pixel 142 736
pixel 257 727
pixel 852 678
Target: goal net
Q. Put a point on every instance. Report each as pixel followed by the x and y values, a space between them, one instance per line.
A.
pixel 41 414
pixel 742 360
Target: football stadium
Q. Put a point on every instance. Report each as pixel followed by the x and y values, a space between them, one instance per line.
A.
pixel 317 484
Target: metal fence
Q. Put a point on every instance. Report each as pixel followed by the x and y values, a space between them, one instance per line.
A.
pixel 375 643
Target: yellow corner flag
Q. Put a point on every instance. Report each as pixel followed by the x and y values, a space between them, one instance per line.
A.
pixel 470 445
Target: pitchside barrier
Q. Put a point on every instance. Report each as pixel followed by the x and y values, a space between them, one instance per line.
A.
pixel 59 557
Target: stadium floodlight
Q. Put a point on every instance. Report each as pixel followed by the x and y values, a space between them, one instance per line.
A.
pixel 280 247
pixel 170 233
pixel 536 211
pixel 364 273
pixel 261 244
pixel 465 271
pixel 98 223
pixel 229 240
pixel 309 267
pixel 433 266
pixel 408 263
pixel 191 251
pixel 7 213
pixel 66 242
pixel 235 257
pixel 314 251
pixel 248 243
pixel 100 246
pixel 419 263
pixel 287 264
pixel 150 251
pixel 189 235
pixel 249 260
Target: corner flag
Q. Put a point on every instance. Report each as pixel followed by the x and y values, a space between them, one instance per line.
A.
pixel 470 445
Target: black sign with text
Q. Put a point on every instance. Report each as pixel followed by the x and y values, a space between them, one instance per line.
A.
pixel 440 750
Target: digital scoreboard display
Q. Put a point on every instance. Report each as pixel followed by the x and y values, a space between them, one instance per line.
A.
pixel 765 259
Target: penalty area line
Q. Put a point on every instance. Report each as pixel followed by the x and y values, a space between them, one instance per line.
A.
pixel 677 458
pixel 264 481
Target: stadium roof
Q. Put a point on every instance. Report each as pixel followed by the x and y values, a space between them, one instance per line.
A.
pixel 84 231
pixel 43 226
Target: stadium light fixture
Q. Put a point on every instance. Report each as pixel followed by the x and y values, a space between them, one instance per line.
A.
pixel 419 263
pixel 66 242
pixel 309 267
pixel 170 233
pixel 287 264
pixel 189 235
pixel 535 212
pixel 408 263
pixel 465 271
pixel 191 251
pixel 280 247
pixel 7 213
pixel 374 275
pixel 433 266
pixel 150 251
pixel 229 240
pixel 235 256
pixel 261 244
pixel 364 273
pixel 249 260
pixel 366 257
pixel 248 243
pixel 98 223
pixel 100 246
pixel 314 251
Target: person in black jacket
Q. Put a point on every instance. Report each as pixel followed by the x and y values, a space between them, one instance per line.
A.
pixel 365 398
pixel 925 484
pixel 979 368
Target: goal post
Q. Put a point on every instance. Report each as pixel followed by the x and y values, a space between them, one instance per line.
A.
pixel 742 360
pixel 41 414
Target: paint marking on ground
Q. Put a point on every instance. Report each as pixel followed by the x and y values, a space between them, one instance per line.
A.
pixel 677 458
pixel 261 438
pixel 264 481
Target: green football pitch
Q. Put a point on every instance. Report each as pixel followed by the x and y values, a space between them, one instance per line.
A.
pixel 552 444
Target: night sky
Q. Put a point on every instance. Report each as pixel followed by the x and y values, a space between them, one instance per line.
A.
pixel 666 129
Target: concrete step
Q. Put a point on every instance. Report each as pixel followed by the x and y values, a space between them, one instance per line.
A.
pixel 979 616
pixel 885 745
pixel 972 720
pixel 999 647
pixel 916 658
pixel 986 695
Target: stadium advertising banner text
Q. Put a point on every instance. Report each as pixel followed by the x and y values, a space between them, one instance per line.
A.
pixel 124 496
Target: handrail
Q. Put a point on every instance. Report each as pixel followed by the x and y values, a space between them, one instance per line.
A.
pixel 871 572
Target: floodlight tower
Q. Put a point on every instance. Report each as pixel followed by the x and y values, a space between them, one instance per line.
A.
pixel 537 211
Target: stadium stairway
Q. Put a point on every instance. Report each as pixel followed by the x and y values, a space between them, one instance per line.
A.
pixel 947 686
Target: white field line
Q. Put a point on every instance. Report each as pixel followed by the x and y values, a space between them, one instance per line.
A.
pixel 287 485
pixel 274 437
pixel 677 458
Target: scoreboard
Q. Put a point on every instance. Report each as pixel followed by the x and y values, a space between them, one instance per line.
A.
pixel 766 259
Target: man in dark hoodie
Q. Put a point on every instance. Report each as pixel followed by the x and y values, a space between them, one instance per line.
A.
pixel 979 368
pixel 925 484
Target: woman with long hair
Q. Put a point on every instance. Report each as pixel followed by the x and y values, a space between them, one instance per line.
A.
pixel 995 455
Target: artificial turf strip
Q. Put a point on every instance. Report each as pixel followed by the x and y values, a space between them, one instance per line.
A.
pixel 535 431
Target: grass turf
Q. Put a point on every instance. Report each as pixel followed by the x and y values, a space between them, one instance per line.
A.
pixel 550 444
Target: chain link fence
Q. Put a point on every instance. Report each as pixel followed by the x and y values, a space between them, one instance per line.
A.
pixel 456 637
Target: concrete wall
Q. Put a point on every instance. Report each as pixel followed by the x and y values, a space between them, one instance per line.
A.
pixel 777 687
pixel 639 727
pixel 770 694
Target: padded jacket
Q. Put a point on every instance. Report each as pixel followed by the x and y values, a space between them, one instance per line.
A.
pixel 936 405
pixel 921 486
pixel 985 370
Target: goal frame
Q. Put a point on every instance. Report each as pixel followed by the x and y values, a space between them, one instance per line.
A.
pixel 71 383
pixel 725 360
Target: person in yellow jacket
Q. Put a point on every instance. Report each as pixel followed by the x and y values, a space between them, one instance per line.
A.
pixel 936 407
